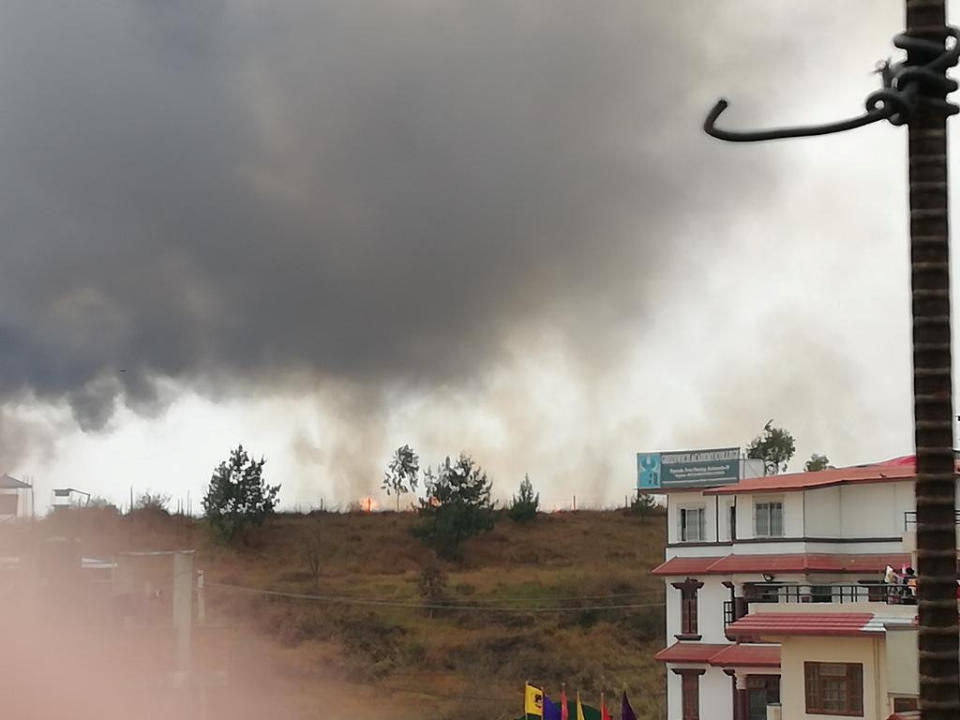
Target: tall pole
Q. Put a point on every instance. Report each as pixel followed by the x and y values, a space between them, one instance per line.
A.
pixel 939 640
pixel 915 92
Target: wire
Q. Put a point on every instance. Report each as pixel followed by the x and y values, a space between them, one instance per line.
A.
pixel 345 600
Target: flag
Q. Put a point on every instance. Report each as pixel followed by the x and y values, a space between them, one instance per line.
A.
pixel 551 711
pixel 604 715
pixel 579 708
pixel 532 701
pixel 626 712
pixel 564 708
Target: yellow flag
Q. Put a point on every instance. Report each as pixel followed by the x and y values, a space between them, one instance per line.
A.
pixel 579 708
pixel 533 701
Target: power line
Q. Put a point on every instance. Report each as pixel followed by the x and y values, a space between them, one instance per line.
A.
pixel 378 602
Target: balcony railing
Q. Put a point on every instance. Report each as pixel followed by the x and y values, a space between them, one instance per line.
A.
pixel 762 593
pixel 910 519
pixel 826 593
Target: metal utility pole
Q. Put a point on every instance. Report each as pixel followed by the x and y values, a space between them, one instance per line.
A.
pixel 932 382
pixel 914 94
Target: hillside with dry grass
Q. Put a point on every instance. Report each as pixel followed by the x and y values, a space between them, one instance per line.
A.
pixel 367 623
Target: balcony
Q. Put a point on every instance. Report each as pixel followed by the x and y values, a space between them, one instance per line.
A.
pixel 863 592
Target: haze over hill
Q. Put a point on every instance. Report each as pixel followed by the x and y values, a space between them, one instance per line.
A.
pixel 530 602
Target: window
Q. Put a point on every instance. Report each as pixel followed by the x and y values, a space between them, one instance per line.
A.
pixel 732 522
pixel 693 522
pixel 768 519
pixel 690 693
pixel 833 688
pixel 688 608
pixel 905 704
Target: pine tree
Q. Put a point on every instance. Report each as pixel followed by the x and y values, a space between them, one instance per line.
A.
pixel 237 495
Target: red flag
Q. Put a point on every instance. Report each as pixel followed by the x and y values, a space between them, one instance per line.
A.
pixel 564 710
pixel 604 715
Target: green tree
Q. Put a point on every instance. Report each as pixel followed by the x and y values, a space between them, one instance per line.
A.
pixel 817 463
pixel 775 446
pixel 524 506
pixel 643 505
pixel 402 471
pixel 457 506
pixel 237 495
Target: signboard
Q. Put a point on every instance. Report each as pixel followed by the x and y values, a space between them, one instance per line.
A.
pixel 690 468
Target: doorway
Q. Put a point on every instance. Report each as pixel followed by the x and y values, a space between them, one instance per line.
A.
pixel 762 690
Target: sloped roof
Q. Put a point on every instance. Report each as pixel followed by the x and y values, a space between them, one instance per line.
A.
pixel 689 652
pixel 11 483
pixel 798 563
pixel 892 471
pixel 721 655
pixel 748 655
pixel 805 623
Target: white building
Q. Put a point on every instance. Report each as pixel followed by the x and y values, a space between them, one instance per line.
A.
pixel 14 498
pixel 758 572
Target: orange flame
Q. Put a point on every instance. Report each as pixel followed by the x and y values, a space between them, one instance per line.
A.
pixel 369 504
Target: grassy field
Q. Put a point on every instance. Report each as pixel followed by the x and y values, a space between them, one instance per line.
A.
pixel 531 603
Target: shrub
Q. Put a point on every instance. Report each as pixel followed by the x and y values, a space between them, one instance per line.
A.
pixel 643 505
pixel 152 503
pixel 432 584
pixel 525 504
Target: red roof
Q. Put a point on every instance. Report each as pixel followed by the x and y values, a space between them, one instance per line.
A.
pixel 773 624
pixel 689 652
pixel 797 563
pixel 721 655
pixel 747 656
pixel 897 469
pixel 686 566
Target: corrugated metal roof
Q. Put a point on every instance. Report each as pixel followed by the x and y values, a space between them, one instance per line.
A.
pixel 11 483
pixel 827 624
pixel 798 563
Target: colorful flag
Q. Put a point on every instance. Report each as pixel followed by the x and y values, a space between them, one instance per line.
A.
pixel 551 711
pixel 579 708
pixel 564 708
pixel 626 712
pixel 604 715
pixel 532 701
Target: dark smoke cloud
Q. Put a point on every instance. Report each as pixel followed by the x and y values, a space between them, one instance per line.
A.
pixel 370 193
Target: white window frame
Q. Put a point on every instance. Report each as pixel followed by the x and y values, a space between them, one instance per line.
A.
pixel 767 530
pixel 683 534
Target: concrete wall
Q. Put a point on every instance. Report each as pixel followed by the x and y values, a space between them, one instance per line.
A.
pixel 710 599
pixel 725 502
pixel 710 609
pixel 874 510
pixel 676 500
pixel 868 651
pixel 19 500
pixel 716 695
pixel 903 677
pixel 822 513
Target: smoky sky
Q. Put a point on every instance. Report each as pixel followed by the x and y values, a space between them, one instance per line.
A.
pixel 233 194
